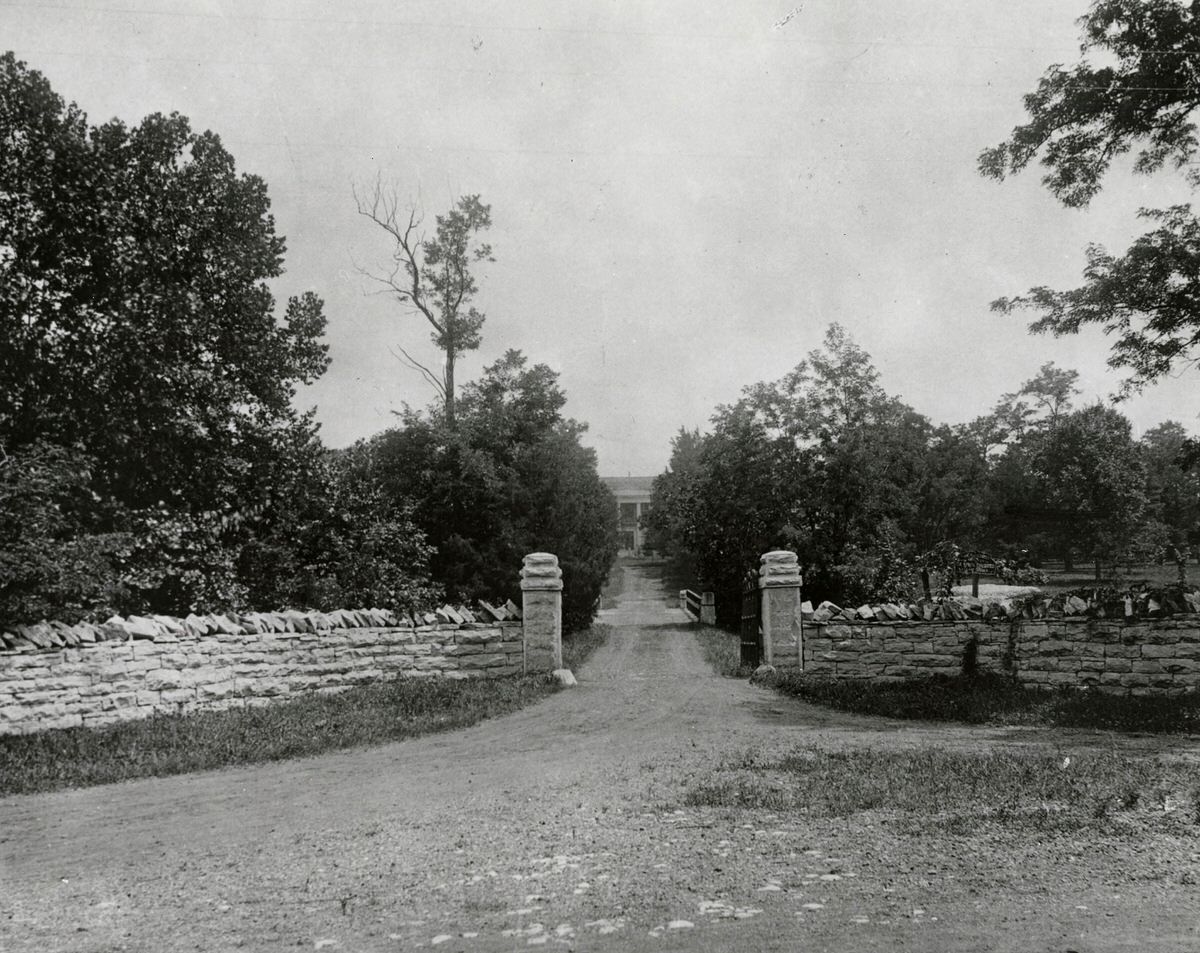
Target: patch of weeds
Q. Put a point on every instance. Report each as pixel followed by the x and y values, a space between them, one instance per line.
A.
pixel 1080 709
pixel 578 646
pixel 164 745
pixel 992 699
pixel 741 791
pixel 723 651
pixel 939 698
pixel 937 790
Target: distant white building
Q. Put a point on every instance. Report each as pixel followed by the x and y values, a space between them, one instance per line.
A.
pixel 633 500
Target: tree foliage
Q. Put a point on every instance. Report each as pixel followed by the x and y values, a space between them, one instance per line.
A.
pixel 54 558
pixel 673 506
pixel 1083 117
pixel 135 319
pixel 825 463
pixel 867 492
pixel 1088 477
pixel 433 277
pixel 510 479
pixel 1172 485
pixel 150 454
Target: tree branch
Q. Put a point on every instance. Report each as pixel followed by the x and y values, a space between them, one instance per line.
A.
pixel 383 209
pixel 439 386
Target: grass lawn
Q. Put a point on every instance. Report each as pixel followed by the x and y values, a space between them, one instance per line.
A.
pixel 933 790
pixel 300 727
pixel 1084 575
pixel 983 699
pixel 577 646
pixel 987 699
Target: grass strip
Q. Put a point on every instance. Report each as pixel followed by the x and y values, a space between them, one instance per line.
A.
pixel 163 745
pixel 723 651
pixel 993 699
pixel 578 646
pixel 933 789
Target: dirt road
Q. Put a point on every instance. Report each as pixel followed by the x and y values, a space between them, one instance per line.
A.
pixel 559 826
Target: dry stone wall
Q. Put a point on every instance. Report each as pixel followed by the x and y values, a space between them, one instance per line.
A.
pixel 130 669
pixel 1159 656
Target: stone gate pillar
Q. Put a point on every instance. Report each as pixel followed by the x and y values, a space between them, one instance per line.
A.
pixel 541 614
pixel 779 587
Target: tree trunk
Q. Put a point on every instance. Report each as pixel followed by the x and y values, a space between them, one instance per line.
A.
pixel 451 424
pixel 1068 561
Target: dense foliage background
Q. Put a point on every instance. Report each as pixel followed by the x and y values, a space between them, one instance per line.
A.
pixel 868 492
pixel 151 456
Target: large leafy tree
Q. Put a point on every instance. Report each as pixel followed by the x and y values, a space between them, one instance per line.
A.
pixel 1088 479
pixel 1172 485
pixel 432 277
pixel 1018 516
pixel 135 319
pixel 510 479
pixel 53 561
pixel 822 461
pixel 1142 95
pixel 952 498
pixel 673 506
pixel 141 356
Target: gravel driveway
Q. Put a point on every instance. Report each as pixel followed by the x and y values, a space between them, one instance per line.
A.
pixel 558 826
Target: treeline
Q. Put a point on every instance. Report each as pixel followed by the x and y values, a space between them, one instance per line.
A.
pixel 151 459
pixel 868 492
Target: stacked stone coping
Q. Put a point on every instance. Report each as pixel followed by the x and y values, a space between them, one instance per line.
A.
pixel 1143 657
pixel 957 608
pixel 137 666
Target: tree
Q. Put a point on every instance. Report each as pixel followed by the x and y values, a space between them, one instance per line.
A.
pixel 1172 487
pixel 432 277
pixel 511 479
pixel 822 462
pixel 1081 119
pixel 1089 478
pixel 745 494
pixel 135 319
pixel 142 362
pixel 53 561
pixel 333 537
pixel 951 489
pixel 1051 390
pixel 672 506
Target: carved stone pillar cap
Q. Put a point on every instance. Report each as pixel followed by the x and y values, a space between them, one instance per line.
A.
pixel 779 568
pixel 540 571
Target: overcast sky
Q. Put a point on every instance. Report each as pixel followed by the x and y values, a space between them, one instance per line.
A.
pixel 684 194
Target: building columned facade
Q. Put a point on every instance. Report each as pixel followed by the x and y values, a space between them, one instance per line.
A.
pixel 633 501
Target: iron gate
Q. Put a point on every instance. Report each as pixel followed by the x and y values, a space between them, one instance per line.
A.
pixel 752 642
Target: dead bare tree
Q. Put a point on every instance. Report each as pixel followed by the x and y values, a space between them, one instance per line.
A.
pixel 432 277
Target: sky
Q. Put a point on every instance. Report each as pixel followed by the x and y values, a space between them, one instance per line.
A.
pixel 684 194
